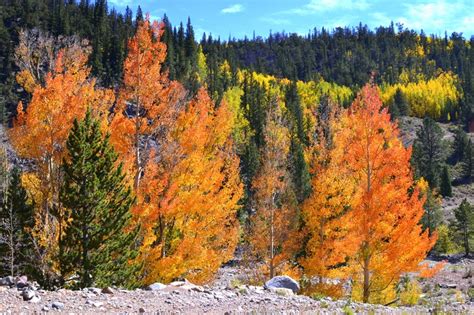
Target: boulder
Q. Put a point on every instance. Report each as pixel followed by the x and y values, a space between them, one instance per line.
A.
pixel 57 305
pixel 35 299
pixel 28 294
pixel 283 282
pixel 7 281
pixel 108 290
pixel 21 282
pixel 155 286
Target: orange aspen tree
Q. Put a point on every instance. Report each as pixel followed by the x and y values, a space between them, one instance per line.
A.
pixel 40 132
pixel 324 214
pixel 144 100
pixel 271 226
pixel 386 208
pixel 190 193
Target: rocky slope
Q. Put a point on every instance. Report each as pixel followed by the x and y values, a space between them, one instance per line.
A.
pixel 226 296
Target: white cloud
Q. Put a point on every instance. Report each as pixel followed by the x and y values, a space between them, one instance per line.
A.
pixel 319 6
pixel 236 8
pixel 438 16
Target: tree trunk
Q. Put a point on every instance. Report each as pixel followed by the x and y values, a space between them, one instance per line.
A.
pixel 366 280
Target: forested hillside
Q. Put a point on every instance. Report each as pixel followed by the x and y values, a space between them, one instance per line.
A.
pixel 142 155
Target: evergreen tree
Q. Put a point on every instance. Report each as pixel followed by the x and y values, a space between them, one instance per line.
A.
pixel 299 170
pixel 468 160
pixel 459 144
pixel 428 151
pixel 97 244
pixel 393 110
pixel 433 216
pixel 16 220
pixel 445 185
pixel 296 113
pixel 401 102
pixel 463 225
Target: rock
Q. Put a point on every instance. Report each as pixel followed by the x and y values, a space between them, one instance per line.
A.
pixel 282 291
pixel 57 305
pixel 94 290
pixel 283 282
pixel 35 299
pixel 141 310
pixel 7 281
pixel 108 290
pixel 448 285
pixel 21 282
pixel 94 303
pixel 45 309
pixel 156 286
pixel 28 295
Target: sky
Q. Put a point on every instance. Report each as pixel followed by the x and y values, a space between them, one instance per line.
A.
pixel 240 18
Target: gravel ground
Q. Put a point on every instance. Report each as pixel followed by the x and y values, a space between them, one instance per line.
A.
pixel 446 294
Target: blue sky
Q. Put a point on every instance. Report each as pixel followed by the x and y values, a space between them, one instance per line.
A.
pixel 242 17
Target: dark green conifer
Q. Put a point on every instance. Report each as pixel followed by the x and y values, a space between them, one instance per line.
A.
pixel 16 221
pixel 445 185
pixel 463 225
pixel 98 243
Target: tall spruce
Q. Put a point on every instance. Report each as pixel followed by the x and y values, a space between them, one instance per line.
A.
pixel 468 160
pixel 97 244
pixel 428 152
pixel 401 102
pixel 459 144
pixel 445 184
pixel 16 221
pixel 463 225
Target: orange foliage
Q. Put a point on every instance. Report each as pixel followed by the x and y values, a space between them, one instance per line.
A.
pixel 273 226
pixel 384 214
pixel 427 271
pixel 145 98
pixel 190 193
pixel 40 132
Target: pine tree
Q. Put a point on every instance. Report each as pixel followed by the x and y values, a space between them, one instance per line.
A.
pixel 16 221
pixel 428 151
pixel 464 225
pixel 468 160
pixel 433 216
pixel 459 144
pixel 445 185
pixel 96 243
pixel 401 102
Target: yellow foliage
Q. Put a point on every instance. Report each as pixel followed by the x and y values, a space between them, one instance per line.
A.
pixel 410 295
pixel 426 97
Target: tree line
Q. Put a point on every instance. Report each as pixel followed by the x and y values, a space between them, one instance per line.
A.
pixel 270 150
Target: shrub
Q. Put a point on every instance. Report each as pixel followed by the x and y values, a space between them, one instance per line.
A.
pixel 410 295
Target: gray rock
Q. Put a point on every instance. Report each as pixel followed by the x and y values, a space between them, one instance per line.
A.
pixel 35 299
pixel 57 305
pixel 141 310
pixel 448 285
pixel 94 303
pixel 7 281
pixel 21 282
pixel 28 294
pixel 156 287
pixel 283 282
pixel 108 290
pixel 94 290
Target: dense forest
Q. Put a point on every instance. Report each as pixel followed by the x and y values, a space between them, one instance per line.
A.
pixel 147 155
